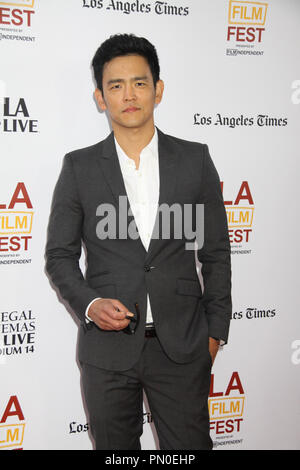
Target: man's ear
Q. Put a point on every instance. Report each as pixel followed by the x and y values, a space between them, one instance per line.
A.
pixel 159 90
pixel 100 100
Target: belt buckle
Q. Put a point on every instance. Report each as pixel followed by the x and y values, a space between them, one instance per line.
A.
pixel 150 332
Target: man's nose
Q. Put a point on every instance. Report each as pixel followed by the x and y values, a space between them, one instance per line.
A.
pixel 129 93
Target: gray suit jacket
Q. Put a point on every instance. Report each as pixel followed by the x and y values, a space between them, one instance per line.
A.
pixel 122 269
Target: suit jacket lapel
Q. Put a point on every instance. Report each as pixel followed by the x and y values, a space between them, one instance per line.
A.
pixel 168 157
pixel 111 169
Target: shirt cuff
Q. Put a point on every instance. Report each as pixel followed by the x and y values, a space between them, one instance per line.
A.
pixel 221 341
pixel 87 318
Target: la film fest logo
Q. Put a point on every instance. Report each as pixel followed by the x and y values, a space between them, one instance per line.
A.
pixel 246 26
pixel 226 409
pixel 16 116
pixel 12 424
pixel 15 15
pixel 137 6
pixel 240 212
pixel 16 220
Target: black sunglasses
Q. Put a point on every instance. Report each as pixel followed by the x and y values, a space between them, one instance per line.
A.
pixel 134 321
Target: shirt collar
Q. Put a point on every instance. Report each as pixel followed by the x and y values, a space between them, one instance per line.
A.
pixel 152 147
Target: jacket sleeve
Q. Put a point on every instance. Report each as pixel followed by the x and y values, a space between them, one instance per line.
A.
pixel 215 254
pixel 64 242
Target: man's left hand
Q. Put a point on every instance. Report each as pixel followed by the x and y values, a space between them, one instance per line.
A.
pixel 213 348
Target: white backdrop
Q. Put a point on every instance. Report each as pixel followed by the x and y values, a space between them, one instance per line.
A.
pixel 232 80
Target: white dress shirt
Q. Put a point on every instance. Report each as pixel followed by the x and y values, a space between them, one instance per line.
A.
pixel 142 187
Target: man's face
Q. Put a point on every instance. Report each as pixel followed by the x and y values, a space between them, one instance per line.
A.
pixel 129 94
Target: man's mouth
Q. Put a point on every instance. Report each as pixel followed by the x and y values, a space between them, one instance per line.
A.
pixel 131 109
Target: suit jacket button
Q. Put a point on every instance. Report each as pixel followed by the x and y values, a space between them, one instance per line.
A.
pixel 146 268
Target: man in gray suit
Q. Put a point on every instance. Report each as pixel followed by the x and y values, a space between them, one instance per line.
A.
pixel 144 322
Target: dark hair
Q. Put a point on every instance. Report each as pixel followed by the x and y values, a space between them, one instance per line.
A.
pixel 124 44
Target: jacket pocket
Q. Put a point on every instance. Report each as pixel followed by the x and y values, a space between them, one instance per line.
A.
pixel 188 287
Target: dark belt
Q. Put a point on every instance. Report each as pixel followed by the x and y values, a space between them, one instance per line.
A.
pixel 150 331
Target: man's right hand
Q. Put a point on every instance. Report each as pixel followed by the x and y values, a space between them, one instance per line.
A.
pixel 109 314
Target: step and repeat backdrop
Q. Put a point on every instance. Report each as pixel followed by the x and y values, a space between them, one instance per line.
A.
pixel 232 80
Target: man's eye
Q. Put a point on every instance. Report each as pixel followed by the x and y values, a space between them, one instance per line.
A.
pixel 140 84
